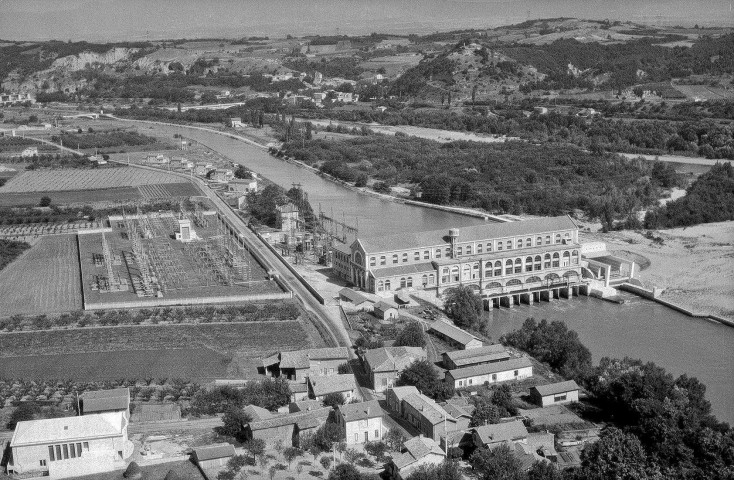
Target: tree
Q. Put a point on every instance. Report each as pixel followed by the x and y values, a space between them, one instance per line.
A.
pixel 394 439
pixel 45 201
pixel 463 306
pixel 24 412
pixel 352 456
pixel 255 447
pixel 345 471
pixel 133 471
pixel 242 172
pixel 290 454
pixel 327 435
pixel 424 377
pixel 233 421
pixel 496 463
pixel 334 399
pixel 544 471
pixel 485 412
pixel 411 336
pixel 616 455
pixel 447 470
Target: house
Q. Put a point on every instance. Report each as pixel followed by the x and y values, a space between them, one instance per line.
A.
pixel 475 356
pixel 242 185
pixel 286 429
pixel 213 457
pixel 222 175
pixel 202 168
pixel 417 451
pixel 299 391
pixel 70 446
pixel 498 433
pixel 235 122
pixel 355 299
pixel 287 217
pixel 257 413
pixel 555 393
pixel 305 406
pixel 345 384
pixel 104 401
pixel 361 422
pixel 422 412
pixel 157 160
pixel 340 259
pixel 385 310
pixel 461 409
pixel 30 152
pixel 454 335
pixel 383 365
pixel 298 365
pixel 513 369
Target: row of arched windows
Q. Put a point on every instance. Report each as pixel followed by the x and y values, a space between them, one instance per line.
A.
pixel 510 266
pixel 406 282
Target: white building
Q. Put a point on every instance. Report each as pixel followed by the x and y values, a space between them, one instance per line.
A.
pixel 30 152
pixel 345 384
pixel 513 369
pixel 361 422
pixel 555 393
pixel 70 446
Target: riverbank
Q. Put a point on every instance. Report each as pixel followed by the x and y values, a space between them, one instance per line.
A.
pixel 694 265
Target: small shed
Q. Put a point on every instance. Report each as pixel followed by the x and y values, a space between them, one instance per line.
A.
pixel 454 335
pixel 213 456
pixel 555 393
pixel 402 299
pixel 386 310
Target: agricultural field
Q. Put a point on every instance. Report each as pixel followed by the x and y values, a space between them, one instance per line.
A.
pixel 703 92
pixel 107 196
pixel 169 190
pixel 45 279
pixel 92 179
pixel 195 352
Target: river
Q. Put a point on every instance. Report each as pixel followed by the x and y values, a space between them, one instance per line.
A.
pixel 639 328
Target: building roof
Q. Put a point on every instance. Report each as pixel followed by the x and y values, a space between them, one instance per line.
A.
pixel 302 419
pixel 212 452
pixel 431 411
pixel 453 332
pixel 402 392
pixel 257 413
pixel 67 429
pixel 353 296
pixel 342 247
pixel 402 297
pixel 391 359
pixel 305 406
pixel 105 400
pixel 352 412
pixel 408 269
pixel 458 407
pixel 501 432
pixel 271 360
pixel 298 387
pixel 555 388
pixel 332 384
pixel 302 358
pixel 407 240
pixel 488 368
pixel 288 208
pixel 384 305
pixel 417 448
pixel 487 353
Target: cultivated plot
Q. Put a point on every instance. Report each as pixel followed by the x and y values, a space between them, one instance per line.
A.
pixel 92 179
pixel 43 280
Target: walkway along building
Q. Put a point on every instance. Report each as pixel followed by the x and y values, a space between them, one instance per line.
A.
pixel 507 263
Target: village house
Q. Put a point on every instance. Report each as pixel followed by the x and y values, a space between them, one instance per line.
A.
pixel 383 365
pixel 422 412
pixel 461 409
pixel 394 397
pixel 211 458
pixel 105 401
pixel 157 160
pixel 286 429
pixel 202 168
pixel 242 185
pixel 305 406
pixel 30 152
pixel 555 393
pixel 222 175
pixel 70 446
pixel 513 369
pixel 346 384
pixel 299 391
pixel 361 422
pixel 496 434
pixel 454 336
pixel 417 451
pixel 475 356
pixel 385 310
pixel 298 365
pixel 236 122
pixel 257 413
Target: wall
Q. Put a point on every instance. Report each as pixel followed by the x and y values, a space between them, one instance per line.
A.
pixel 570 397
pixel 100 452
pixel 377 380
pixel 163 302
pixel 360 427
pixel 271 435
pixel 501 377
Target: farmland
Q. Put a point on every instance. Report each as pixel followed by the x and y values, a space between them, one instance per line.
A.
pixel 196 352
pixel 43 280
pixel 92 179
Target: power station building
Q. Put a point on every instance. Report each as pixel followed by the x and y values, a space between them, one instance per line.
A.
pixel 511 262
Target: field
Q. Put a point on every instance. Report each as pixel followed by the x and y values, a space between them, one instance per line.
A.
pixel 43 280
pixel 93 179
pixel 704 92
pixel 196 352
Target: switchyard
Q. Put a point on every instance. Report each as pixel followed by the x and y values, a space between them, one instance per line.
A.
pixel 169 258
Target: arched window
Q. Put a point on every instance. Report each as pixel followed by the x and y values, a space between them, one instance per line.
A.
pixel 395 258
pixel 518 265
pixel 556 260
pixel 499 245
pixel 387 285
pixel 575 257
pixel 380 286
pixel 497 268
pixel 519 243
pixel 382 260
pixel 566 259
pixel 454 274
pixel 445 275
pixel 546 261
pixel 358 258
pixel 424 280
pixel 431 279
pixel 508 267
pixel 528 242
pixel 410 282
pixel 529 264
pixel 538 264
pixel 405 258
pixel 466 272
pixel 539 241
pixel 402 282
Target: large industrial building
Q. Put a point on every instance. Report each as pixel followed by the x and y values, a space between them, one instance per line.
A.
pixel 506 263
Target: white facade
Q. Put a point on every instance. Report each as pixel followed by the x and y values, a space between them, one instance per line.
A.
pixel 360 431
pixel 502 374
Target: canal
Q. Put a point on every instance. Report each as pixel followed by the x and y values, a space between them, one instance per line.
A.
pixel 639 328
